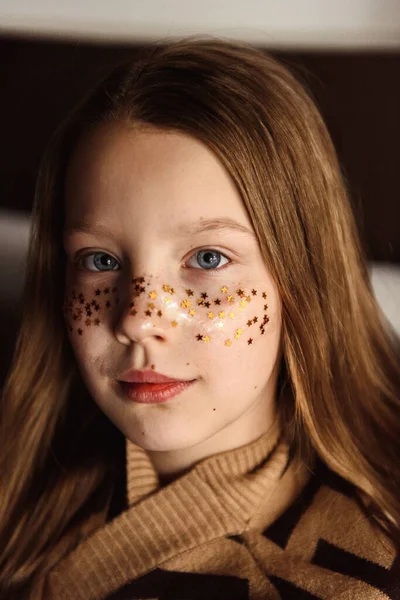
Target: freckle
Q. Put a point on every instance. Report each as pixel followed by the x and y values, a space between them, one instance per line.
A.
pixel 214 409
pixel 187 364
pixel 153 367
pixel 255 387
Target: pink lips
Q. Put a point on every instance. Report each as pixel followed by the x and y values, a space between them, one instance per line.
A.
pixel 148 387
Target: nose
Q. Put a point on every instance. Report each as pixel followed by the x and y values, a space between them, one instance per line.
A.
pixel 143 319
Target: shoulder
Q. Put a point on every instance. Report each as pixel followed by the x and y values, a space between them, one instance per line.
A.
pixel 327 527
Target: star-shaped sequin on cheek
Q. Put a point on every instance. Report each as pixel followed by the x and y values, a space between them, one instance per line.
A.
pixel 250 341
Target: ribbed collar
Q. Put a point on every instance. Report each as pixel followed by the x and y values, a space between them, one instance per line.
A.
pixel 217 497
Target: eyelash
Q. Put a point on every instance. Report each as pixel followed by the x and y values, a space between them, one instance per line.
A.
pixel 81 260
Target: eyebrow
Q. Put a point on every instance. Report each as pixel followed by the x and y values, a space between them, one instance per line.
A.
pixel 189 229
pixel 219 224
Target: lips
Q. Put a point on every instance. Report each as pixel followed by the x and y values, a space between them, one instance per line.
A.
pixel 148 387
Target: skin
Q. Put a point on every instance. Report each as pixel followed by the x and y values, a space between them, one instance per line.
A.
pixel 130 193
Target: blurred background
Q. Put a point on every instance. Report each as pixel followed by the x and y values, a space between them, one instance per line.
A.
pixel 347 52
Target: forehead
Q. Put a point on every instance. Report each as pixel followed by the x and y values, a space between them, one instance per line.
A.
pixel 119 173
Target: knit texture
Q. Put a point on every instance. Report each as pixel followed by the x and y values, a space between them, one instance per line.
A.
pixel 244 524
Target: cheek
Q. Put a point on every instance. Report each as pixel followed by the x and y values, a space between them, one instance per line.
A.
pixel 214 314
pixel 86 311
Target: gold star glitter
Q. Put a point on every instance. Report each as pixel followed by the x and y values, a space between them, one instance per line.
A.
pixel 189 292
pixel 165 288
pixel 131 304
pixel 217 301
pixel 147 313
pixel 151 305
pixel 221 314
pixel 206 338
pixel 228 343
pixel 153 295
pixel 88 322
pixel 167 301
pixel 210 315
pixel 224 289
pixel 238 333
pixel 240 293
pixel 248 299
pixel 199 337
pixel 186 304
pixel 200 301
pixel 142 290
pixel 108 304
pixel 106 290
pixel 96 321
pixel 133 312
pixel 265 306
pixel 231 315
pixel 98 292
pixel 255 319
pixel 204 295
pixel 264 295
pixel 207 304
pixel 231 299
pixel 254 292
pixel 249 323
pixel 242 303
pixel 174 324
pixel 171 291
pixel 220 324
pixel 192 312
pixel 80 331
pixel 159 313
pixel 249 341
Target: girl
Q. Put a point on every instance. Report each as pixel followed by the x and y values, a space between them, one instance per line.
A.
pixel 204 400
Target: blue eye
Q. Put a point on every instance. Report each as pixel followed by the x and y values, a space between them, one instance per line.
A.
pixel 208 259
pixel 99 261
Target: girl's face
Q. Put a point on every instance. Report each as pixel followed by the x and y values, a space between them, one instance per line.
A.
pixel 165 276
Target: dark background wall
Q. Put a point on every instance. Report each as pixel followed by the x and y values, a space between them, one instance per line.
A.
pixel 358 94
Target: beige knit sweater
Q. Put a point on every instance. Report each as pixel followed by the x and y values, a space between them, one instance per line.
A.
pixel 244 524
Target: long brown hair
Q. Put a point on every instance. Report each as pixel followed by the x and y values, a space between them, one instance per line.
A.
pixel 339 354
